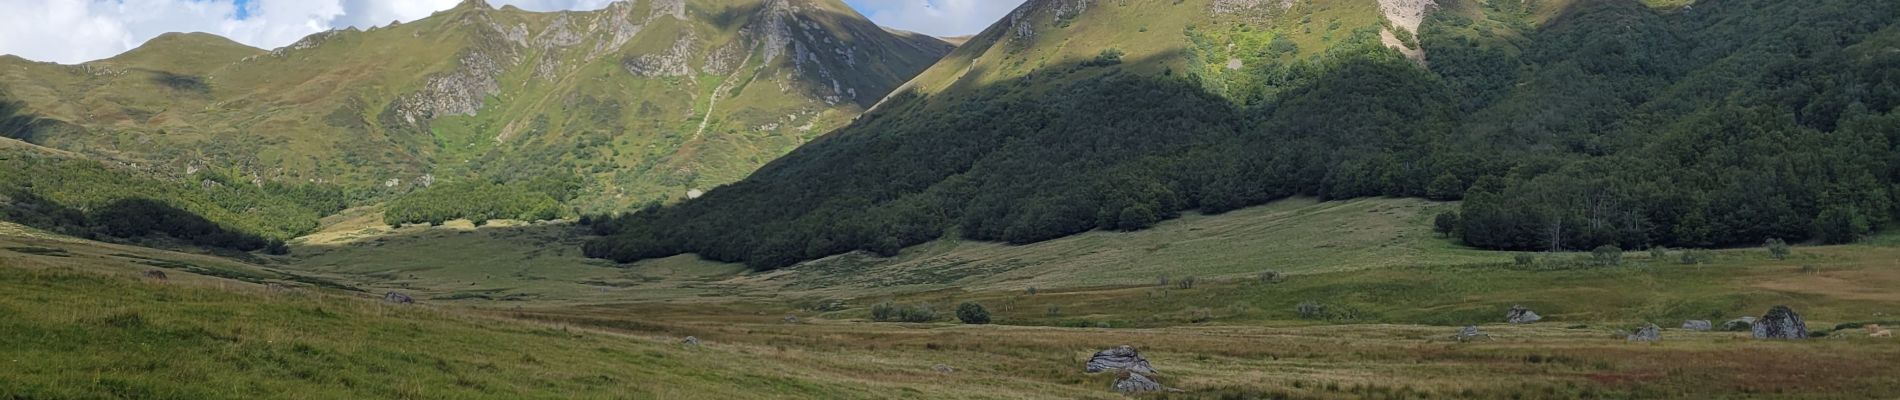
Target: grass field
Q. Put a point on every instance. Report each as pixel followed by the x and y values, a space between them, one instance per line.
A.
pixel 511 311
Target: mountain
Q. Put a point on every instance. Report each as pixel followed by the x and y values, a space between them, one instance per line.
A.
pixel 1562 124
pixel 642 101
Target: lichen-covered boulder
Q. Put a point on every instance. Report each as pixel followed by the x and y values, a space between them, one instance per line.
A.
pixel 1698 325
pixel 1470 333
pixel 1120 358
pixel 1781 323
pixel 1131 382
pixel 1646 334
pixel 398 298
pixel 1522 315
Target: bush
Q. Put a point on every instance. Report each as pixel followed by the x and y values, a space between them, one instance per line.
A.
pixel 1446 223
pixel 1310 310
pixel 1185 283
pixel 1778 248
pixel 889 312
pixel 1607 255
pixel 972 313
pixel 1526 259
pixel 1696 256
pixel 1658 254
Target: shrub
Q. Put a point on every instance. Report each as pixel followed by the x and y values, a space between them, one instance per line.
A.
pixel 1526 259
pixel 1310 310
pixel 1778 248
pixel 1696 256
pixel 972 313
pixel 1607 255
pixel 1658 254
pixel 888 312
pixel 1185 283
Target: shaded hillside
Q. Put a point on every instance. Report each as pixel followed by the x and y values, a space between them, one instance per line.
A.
pixel 641 101
pixel 1565 125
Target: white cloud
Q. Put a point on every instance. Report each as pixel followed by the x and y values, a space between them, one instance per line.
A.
pixel 936 17
pixel 74 31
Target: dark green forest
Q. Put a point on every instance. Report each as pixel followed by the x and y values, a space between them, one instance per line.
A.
pixel 1727 123
pixel 532 199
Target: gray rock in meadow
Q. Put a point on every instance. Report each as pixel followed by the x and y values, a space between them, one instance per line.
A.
pixel 1131 382
pixel 1521 315
pixel 1698 325
pixel 791 319
pixel 940 368
pixel 1646 334
pixel 1120 358
pixel 1470 333
pixel 691 341
pixel 1742 324
pixel 1781 322
pixel 398 298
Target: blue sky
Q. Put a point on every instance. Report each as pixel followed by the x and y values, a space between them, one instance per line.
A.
pixel 74 31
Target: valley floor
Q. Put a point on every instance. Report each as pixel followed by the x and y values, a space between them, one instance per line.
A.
pixel 512 311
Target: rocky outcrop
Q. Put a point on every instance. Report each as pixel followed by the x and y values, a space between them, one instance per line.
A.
pixel 1405 15
pixel 1697 325
pixel 675 61
pixel 1646 334
pixel 1781 323
pixel 1124 358
pixel 1521 315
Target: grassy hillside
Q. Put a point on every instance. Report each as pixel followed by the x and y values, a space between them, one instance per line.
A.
pixel 79 324
pixel 639 102
pixel 1606 123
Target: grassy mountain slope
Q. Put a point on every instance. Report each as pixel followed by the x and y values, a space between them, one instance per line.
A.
pixel 1609 122
pixel 637 102
pixel 81 325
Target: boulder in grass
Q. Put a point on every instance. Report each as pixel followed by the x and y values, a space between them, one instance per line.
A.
pixel 1646 334
pixel 1132 382
pixel 1698 325
pixel 1781 323
pixel 942 369
pixel 1743 324
pixel 1124 358
pixel 398 298
pixel 1470 333
pixel 691 341
pixel 1521 315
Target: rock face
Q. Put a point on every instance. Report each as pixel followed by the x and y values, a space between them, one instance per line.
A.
pixel 398 298
pixel 1697 325
pixel 1646 334
pixel 1521 315
pixel 155 275
pixel 1130 382
pixel 1739 324
pixel 1781 322
pixel 1120 358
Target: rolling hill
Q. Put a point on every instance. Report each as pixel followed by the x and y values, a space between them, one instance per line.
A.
pixel 1561 124
pixel 642 101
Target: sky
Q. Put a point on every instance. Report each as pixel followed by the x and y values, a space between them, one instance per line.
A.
pixel 75 31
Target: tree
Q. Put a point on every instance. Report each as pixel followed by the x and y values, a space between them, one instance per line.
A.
pixel 1838 225
pixel 1445 188
pixel 1778 248
pixel 1446 223
pixel 972 313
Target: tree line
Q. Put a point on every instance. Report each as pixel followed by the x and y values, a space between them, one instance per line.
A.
pixel 1729 123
